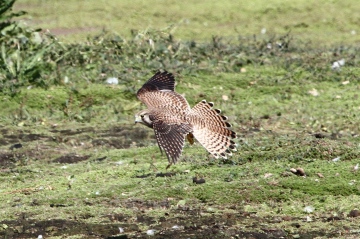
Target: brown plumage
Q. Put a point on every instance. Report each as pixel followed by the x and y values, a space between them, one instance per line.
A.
pixel 172 119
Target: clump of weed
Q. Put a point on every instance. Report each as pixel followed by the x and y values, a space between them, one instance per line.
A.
pixel 25 53
pixel 30 58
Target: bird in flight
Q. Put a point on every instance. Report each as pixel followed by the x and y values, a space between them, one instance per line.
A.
pixel 172 119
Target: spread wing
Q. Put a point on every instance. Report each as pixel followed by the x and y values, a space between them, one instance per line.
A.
pixel 158 92
pixel 169 110
pixel 171 138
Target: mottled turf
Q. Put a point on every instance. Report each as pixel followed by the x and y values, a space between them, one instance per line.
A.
pixel 321 22
pixel 74 165
pixel 87 166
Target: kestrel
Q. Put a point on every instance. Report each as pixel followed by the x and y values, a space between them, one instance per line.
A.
pixel 172 119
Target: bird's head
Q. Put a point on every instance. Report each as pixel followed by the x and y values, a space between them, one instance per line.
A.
pixel 144 117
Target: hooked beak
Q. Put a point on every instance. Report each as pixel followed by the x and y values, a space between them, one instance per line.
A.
pixel 138 119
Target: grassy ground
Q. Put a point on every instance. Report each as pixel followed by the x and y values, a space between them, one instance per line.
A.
pixel 110 174
pixel 321 22
pixel 73 165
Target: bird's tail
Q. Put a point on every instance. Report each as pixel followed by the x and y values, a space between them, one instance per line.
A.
pixel 211 129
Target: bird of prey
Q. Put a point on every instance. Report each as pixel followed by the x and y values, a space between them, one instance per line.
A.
pixel 172 119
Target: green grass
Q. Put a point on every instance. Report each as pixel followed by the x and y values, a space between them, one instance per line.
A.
pixel 275 122
pixel 321 22
pixel 268 95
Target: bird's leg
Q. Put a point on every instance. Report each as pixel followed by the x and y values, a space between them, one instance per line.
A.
pixel 152 164
pixel 169 165
pixel 170 162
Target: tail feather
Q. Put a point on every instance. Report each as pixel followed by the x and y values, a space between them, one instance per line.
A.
pixel 211 129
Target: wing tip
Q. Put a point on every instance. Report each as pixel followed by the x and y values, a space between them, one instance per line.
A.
pixel 161 80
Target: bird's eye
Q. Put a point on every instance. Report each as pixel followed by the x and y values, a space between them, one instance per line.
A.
pixel 142 116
